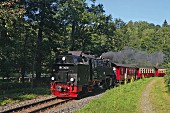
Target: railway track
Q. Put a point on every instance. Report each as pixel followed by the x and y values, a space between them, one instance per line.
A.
pixel 39 106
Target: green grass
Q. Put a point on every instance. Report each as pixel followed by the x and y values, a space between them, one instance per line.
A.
pixel 122 99
pixel 13 98
pixel 160 98
pixel 18 95
pixel 28 96
pixel 4 102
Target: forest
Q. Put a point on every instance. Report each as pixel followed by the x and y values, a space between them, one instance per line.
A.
pixel 33 32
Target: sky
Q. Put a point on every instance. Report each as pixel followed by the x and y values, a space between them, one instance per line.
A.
pixel 152 11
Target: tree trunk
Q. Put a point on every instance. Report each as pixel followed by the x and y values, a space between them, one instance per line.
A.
pixel 39 53
pixel 72 36
pixel 23 69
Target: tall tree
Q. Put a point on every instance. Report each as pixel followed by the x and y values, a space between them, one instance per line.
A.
pixel 39 14
pixel 120 34
pixel 165 24
pixel 10 34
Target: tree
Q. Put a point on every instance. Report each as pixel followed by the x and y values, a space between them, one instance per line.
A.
pixel 120 36
pixel 40 15
pixel 165 24
pixel 10 34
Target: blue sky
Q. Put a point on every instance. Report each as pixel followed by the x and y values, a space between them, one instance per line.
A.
pixel 152 11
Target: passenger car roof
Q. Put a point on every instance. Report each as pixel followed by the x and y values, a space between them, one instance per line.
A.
pixel 123 65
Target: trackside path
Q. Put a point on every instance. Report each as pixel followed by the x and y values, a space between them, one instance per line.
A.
pixel 146 106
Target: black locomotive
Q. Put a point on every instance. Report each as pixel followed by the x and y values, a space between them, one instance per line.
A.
pixel 76 74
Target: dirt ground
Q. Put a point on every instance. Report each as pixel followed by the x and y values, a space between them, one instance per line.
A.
pixel 146 106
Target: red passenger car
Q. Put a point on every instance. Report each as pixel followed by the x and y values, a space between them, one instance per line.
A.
pixel 145 72
pixel 160 71
pixel 124 71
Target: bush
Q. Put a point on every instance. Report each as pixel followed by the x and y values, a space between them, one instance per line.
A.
pixel 10 85
pixel 167 77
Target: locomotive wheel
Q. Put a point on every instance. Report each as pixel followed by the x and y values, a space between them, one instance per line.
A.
pixel 79 96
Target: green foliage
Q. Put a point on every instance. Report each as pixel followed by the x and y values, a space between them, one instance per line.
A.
pixel 17 95
pixel 26 97
pixel 16 98
pixel 167 77
pixel 32 32
pixel 10 86
pixel 124 98
pixel 5 102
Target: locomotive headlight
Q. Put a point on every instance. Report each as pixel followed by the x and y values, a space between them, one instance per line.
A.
pixel 72 79
pixel 52 78
pixel 64 58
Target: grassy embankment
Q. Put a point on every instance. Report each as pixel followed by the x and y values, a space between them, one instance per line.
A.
pixel 160 98
pixel 122 99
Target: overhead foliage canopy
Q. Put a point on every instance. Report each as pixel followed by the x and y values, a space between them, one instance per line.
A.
pixel 32 32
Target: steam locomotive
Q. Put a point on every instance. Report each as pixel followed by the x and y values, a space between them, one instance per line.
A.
pixel 76 74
